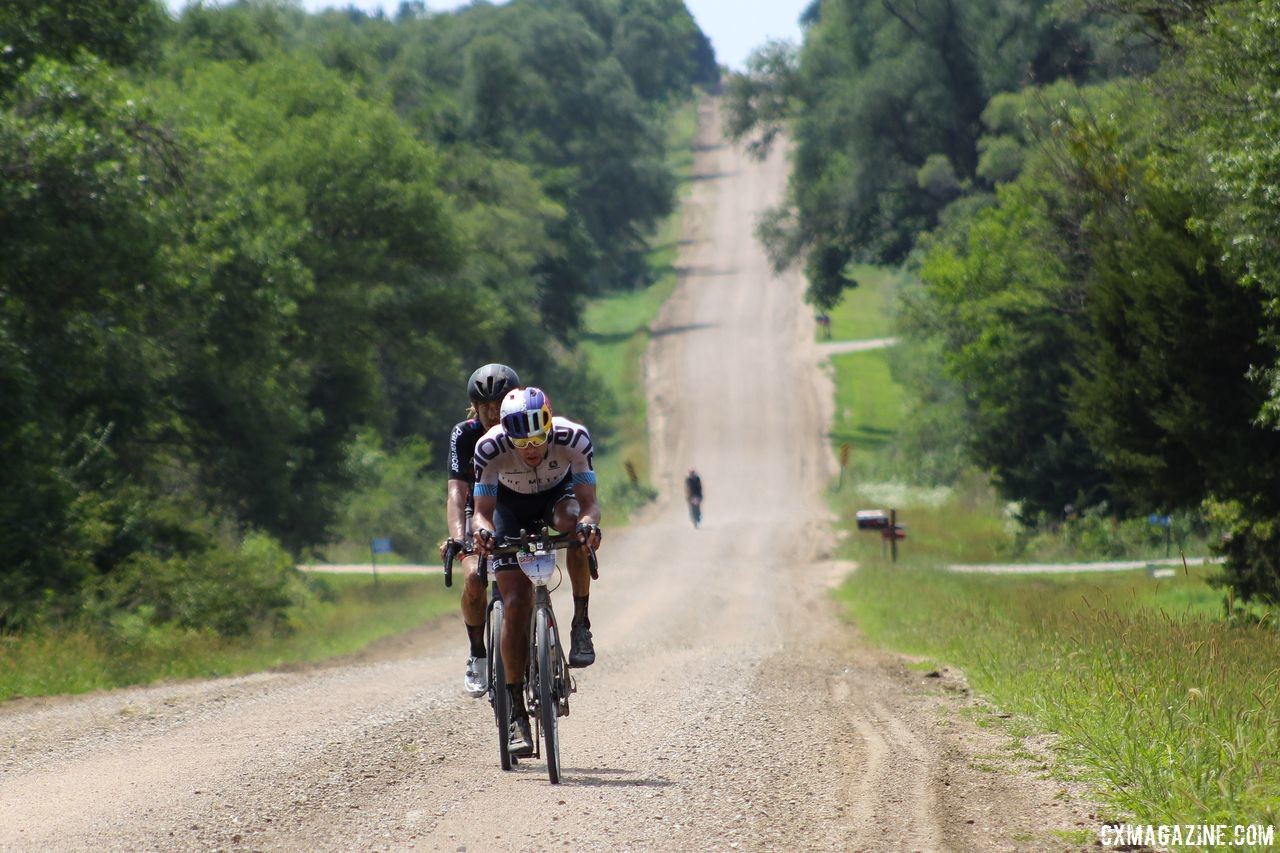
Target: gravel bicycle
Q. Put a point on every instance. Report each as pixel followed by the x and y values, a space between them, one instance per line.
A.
pixel 548 683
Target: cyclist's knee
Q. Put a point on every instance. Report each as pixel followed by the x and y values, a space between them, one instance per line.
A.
pixel 517 598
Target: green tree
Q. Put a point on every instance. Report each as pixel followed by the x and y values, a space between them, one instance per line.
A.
pixel 377 243
pixel 1001 302
pixel 86 207
pixel 119 32
pixel 880 92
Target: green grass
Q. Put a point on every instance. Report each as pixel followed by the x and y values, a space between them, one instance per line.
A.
pixel 616 334
pixel 954 524
pixel 352 614
pixel 865 311
pixel 1173 711
pixel 868 411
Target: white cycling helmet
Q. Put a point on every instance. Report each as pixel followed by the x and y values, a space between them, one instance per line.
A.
pixel 526 417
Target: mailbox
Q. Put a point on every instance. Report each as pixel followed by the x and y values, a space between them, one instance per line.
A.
pixel 872 519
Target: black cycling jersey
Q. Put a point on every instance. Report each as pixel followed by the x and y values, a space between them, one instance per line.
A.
pixel 693 486
pixel 462 449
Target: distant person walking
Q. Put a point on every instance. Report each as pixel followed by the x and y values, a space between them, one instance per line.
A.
pixel 824 323
pixel 693 496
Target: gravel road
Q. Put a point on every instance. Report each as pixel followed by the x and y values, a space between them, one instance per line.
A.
pixel 729 708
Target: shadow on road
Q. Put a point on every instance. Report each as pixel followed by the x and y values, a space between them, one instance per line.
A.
pixel 679 330
pixel 594 777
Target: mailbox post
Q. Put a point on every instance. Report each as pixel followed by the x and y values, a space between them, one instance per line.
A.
pixel 887 523
pixel 892 533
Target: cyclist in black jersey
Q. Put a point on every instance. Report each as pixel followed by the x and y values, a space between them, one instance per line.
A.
pixel 486 388
pixel 693 496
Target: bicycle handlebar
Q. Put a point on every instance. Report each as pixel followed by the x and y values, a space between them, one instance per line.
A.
pixel 451 550
pixel 542 541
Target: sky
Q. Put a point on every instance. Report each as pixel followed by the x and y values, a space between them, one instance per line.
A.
pixel 735 27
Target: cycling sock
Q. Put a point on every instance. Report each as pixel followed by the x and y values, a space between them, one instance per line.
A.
pixel 516 692
pixel 580 610
pixel 475 633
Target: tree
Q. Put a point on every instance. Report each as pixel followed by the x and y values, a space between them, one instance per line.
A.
pixel 119 32
pixel 376 242
pixel 1002 305
pixel 880 92
pixel 86 208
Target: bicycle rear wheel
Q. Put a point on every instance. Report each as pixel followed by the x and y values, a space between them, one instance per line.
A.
pixel 548 700
pixel 501 698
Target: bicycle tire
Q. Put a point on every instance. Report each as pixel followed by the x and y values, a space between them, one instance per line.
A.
pixel 501 699
pixel 548 701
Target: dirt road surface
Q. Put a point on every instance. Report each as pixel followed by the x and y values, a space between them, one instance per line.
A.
pixel 729 708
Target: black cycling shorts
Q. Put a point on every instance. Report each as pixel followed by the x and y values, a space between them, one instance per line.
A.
pixel 516 511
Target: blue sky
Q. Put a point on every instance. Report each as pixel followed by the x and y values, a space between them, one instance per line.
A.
pixel 735 27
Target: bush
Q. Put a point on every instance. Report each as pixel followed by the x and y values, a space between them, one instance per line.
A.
pixel 1096 535
pixel 219 591
pixel 1251 547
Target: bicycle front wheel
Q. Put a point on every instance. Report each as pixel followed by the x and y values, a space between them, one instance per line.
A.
pixel 501 698
pixel 548 700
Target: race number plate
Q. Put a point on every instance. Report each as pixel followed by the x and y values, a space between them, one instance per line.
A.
pixel 539 567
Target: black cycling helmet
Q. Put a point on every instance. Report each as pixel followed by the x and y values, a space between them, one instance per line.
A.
pixel 490 383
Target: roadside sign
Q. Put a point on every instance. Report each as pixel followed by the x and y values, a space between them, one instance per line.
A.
pixel 381 545
pixel 1160 520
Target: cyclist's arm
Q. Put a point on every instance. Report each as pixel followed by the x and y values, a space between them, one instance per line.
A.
pixel 590 510
pixel 482 517
pixel 456 508
pixel 586 495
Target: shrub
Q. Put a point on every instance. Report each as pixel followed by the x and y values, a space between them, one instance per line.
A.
pixel 216 590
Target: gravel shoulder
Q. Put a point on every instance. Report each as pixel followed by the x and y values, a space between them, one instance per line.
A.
pixel 730 707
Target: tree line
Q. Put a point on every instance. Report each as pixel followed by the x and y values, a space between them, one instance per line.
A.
pixel 1086 195
pixel 250 255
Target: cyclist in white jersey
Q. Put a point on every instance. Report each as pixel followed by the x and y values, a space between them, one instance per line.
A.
pixel 533 469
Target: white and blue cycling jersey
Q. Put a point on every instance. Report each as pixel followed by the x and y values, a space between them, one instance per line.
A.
pixel 569 455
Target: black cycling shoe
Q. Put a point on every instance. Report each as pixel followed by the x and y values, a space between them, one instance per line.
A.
pixel 582 652
pixel 519 737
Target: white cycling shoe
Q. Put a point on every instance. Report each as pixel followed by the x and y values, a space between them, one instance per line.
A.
pixel 476 681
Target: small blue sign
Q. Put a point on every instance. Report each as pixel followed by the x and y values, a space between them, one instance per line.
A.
pixel 382 545
pixel 1161 520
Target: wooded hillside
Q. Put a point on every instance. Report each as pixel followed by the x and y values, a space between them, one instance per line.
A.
pixel 250 256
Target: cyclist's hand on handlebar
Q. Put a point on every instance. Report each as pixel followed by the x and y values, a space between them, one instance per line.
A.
pixel 483 540
pixel 590 535
pixel 448 545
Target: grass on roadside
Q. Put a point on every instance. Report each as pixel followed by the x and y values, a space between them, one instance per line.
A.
pixel 864 311
pixel 1175 711
pixel 352 613
pixel 1171 709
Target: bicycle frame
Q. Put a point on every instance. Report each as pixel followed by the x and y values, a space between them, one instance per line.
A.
pixel 548 683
